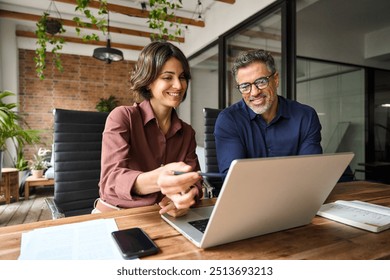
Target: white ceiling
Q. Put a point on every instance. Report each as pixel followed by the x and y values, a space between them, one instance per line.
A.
pixel 349 31
pixel 347 16
pixel 361 16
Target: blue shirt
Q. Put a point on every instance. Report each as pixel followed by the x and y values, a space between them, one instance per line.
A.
pixel 241 133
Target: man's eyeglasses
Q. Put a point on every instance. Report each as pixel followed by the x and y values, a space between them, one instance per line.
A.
pixel 260 83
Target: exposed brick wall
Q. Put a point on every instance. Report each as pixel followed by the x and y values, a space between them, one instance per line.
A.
pixel 79 87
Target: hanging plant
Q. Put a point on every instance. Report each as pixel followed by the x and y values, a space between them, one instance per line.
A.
pixel 48 26
pixel 100 22
pixel 45 36
pixel 162 16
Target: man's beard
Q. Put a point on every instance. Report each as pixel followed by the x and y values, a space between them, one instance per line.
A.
pixel 262 108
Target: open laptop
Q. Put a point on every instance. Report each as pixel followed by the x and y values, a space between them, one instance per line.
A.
pixel 264 195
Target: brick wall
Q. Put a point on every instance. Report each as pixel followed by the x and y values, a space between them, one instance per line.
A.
pixel 79 87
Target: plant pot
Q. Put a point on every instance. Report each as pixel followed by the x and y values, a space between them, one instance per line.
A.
pixel 37 173
pixel 53 26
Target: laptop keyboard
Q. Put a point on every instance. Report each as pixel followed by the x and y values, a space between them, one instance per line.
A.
pixel 200 224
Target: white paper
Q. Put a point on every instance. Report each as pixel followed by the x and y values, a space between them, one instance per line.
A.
pixel 89 240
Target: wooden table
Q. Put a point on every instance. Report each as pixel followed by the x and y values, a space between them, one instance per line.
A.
pixel 34 182
pixel 322 239
pixel 9 185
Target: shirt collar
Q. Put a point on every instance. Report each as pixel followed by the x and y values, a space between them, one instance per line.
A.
pixel 147 111
pixel 148 115
pixel 283 110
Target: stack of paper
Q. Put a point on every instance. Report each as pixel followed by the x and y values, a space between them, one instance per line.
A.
pixel 89 240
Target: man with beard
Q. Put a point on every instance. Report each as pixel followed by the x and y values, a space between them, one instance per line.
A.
pixel 263 124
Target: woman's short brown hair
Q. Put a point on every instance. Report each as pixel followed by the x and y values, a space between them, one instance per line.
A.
pixel 150 63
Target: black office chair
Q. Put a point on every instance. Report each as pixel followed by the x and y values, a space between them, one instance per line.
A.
pixel 211 163
pixel 77 154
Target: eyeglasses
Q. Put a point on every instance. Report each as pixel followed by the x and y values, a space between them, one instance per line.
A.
pixel 260 83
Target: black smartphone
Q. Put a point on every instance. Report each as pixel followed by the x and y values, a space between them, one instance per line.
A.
pixel 134 243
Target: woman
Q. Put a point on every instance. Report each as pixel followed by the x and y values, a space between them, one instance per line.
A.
pixel 143 144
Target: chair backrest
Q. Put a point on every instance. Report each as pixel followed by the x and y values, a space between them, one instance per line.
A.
pixel 77 153
pixel 211 163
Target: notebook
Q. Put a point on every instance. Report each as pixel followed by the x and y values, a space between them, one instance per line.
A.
pixel 264 195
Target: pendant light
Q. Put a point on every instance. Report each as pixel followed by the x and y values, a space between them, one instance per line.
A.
pixel 108 54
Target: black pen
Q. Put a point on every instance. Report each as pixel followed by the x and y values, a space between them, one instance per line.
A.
pixel 203 174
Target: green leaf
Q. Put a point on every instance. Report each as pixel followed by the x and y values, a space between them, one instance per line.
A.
pixel 161 12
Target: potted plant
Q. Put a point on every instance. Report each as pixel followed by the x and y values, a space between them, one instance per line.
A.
pixel 39 164
pixel 48 26
pixel 22 165
pixel 45 36
pixel 53 26
pixel 107 104
pixel 12 134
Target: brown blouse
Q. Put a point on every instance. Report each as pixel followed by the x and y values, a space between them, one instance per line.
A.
pixel 133 143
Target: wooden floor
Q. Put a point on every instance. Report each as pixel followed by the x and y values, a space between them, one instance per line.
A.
pixel 27 211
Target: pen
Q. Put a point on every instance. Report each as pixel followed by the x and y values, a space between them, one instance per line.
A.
pixel 203 174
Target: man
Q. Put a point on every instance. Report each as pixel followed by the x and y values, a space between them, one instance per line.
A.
pixel 263 124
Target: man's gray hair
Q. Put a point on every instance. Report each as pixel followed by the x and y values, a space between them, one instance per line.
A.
pixel 247 57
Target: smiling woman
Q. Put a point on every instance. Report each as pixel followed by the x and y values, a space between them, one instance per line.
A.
pixel 136 165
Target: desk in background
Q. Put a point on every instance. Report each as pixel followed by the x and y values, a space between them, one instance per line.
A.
pixel 34 182
pixel 9 185
pixel 322 239
pixel 376 171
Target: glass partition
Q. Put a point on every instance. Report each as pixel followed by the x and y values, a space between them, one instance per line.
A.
pixel 336 92
pixel 203 88
pixel 382 117
pixel 265 34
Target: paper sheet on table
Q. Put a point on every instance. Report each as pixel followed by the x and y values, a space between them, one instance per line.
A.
pixel 89 240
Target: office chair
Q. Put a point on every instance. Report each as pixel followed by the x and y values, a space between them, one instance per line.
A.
pixel 211 163
pixel 77 153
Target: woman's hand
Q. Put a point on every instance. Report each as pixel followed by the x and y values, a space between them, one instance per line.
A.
pixel 178 190
pixel 167 206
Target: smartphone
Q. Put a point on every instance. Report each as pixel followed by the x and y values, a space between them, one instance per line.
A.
pixel 134 243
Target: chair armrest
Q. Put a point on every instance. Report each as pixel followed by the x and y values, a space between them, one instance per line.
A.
pixel 55 211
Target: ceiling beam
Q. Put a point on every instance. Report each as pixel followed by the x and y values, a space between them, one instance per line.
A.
pixel 261 34
pixel 29 34
pixel 134 12
pixel 227 1
pixel 66 22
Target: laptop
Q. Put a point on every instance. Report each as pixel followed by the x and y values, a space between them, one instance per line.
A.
pixel 264 195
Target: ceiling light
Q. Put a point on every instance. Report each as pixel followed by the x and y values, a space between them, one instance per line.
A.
pixel 108 54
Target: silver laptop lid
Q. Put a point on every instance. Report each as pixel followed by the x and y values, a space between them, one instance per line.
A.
pixel 266 195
